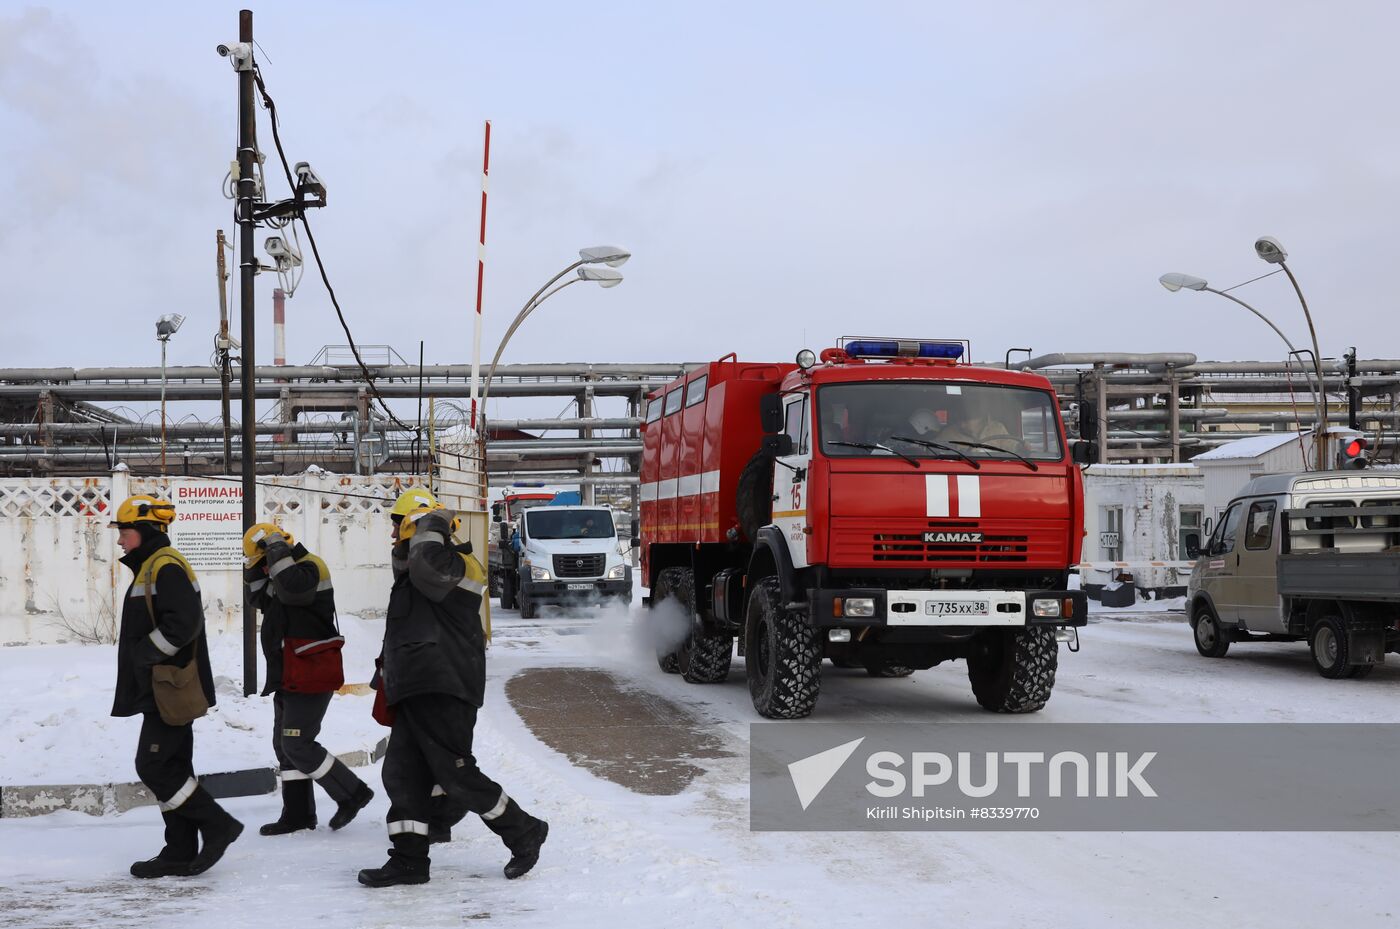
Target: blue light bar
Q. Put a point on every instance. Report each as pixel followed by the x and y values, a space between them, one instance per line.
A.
pixel 899 348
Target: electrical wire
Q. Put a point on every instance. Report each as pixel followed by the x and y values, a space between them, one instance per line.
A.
pixel 316 252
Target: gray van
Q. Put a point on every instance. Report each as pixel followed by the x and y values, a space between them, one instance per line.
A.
pixel 1304 557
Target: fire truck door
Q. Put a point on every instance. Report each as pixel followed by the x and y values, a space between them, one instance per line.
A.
pixel 790 479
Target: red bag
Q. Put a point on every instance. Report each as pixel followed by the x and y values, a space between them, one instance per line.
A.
pixel 313 666
pixel 382 712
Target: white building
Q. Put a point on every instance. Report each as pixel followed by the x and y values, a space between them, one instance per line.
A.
pixel 1229 467
pixel 1138 519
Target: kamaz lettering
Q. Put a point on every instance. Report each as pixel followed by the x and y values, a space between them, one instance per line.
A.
pixel 974 538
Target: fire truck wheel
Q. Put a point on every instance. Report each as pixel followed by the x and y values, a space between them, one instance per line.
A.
pixel 668 661
pixel 1211 640
pixel 1013 670
pixel 889 670
pixel 782 655
pixel 754 499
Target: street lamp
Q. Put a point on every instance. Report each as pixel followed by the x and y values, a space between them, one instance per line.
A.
pixel 604 277
pixel 1175 281
pixel 166 326
pixel 1272 251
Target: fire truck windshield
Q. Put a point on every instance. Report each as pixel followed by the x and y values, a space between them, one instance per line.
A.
pixel 977 419
pixel 549 523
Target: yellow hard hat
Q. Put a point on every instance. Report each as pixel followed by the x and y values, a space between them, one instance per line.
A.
pixel 143 508
pixel 412 506
pixel 252 554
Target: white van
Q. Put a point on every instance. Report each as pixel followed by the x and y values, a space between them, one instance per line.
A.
pixel 570 554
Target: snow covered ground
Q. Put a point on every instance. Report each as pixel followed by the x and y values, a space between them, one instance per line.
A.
pixel 616 857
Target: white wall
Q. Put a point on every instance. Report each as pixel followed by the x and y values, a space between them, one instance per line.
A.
pixel 58 559
pixel 1150 497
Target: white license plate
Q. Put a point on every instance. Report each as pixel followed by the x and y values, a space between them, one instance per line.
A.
pixel 580 586
pixel 956 608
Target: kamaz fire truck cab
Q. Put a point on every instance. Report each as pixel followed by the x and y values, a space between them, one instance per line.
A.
pixel 885 507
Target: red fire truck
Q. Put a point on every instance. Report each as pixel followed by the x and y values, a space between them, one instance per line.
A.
pixel 885 507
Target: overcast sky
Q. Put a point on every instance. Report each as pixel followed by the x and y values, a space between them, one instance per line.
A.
pixel 784 173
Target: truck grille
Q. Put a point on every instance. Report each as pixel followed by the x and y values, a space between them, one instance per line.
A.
pixel 566 566
pixel 855 543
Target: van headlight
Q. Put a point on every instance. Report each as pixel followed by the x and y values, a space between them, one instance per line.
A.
pixel 539 574
pixel 617 572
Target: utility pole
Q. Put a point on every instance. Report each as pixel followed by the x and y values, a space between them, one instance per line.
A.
pixel 1353 392
pixel 225 366
pixel 247 192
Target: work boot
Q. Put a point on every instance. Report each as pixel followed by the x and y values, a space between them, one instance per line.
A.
pixel 523 835
pixel 525 855
pixel 298 809
pixel 218 829
pixel 350 807
pixel 181 846
pixel 160 867
pixel 407 864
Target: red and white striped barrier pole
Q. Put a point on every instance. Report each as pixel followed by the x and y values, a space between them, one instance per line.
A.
pixel 480 274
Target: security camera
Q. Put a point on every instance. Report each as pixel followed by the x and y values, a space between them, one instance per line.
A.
pixel 309 180
pixel 240 55
pixel 283 252
pixel 1271 250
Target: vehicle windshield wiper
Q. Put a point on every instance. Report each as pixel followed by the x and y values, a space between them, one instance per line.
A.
pixel 872 446
pixel 936 445
pixel 997 448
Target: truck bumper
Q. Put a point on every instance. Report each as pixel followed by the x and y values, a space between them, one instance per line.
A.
pixel 576 591
pixel 955 613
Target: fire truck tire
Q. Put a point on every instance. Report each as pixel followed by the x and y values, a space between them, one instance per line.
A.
pixel 668 661
pixel 782 655
pixel 754 499
pixel 1014 670
pixel 889 670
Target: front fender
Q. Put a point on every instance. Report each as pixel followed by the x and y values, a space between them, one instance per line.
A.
pixel 771 557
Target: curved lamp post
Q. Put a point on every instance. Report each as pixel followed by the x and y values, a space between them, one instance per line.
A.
pixel 1175 281
pixel 1272 251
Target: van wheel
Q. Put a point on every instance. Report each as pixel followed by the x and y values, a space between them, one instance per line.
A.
pixel 1330 654
pixel 1211 640
pixel 782 655
pixel 529 609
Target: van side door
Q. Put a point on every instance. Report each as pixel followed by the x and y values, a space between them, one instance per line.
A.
pixel 1260 607
pixel 1219 578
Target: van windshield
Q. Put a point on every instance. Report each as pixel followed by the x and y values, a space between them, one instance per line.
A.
pixel 546 523
pixel 976 419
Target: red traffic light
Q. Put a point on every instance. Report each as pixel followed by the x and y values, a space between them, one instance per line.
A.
pixel 1352 456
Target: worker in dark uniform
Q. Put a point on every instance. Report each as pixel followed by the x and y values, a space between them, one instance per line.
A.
pixel 434 678
pixel 162 628
pixel 301 644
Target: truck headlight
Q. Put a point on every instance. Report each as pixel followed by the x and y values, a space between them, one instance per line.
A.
pixel 1046 608
pixel 617 572
pixel 541 574
pixel 859 606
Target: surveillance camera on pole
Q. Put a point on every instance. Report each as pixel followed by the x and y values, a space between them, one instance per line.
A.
pixel 239 54
pixel 283 252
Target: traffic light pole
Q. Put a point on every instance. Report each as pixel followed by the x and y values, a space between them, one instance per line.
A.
pixel 247 192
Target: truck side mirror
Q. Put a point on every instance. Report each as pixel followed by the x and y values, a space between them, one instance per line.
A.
pixel 776 446
pixel 1081 452
pixel 1193 548
pixel 770 413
